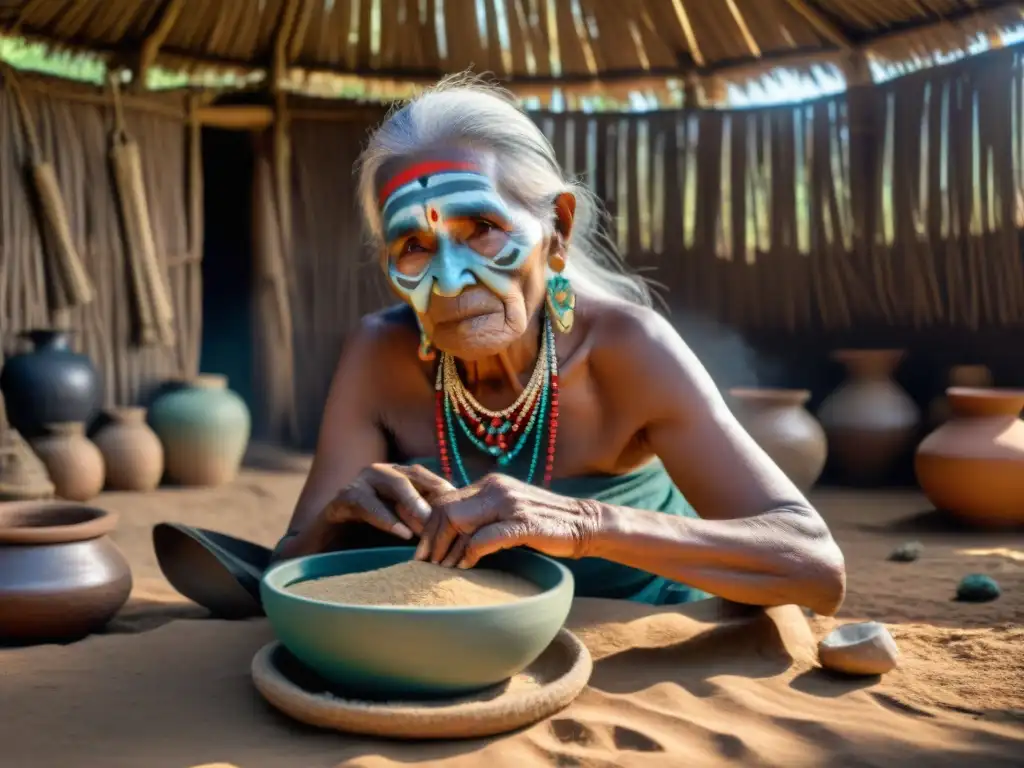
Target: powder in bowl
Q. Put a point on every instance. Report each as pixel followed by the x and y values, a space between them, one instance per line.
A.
pixel 418 584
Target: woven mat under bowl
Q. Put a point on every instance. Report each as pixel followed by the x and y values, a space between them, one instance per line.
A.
pixel 545 687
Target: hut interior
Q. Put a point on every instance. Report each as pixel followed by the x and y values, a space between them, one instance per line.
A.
pixel 886 213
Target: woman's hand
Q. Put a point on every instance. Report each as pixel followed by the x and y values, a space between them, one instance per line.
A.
pixel 500 512
pixel 392 498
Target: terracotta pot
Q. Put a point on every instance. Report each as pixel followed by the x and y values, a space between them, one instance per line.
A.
pixel 132 453
pixel 48 384
pixel 779 423
pixel 973 465
pixel 204 428
pixel 74 463
pixel 870 421
pixel 975 376
pixel 61 577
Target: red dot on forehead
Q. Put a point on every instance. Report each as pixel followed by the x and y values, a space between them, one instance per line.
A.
pixel 433 214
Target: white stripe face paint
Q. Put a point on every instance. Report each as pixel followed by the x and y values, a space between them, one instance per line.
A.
pixel 429 204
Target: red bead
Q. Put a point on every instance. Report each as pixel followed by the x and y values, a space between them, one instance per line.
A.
pixel 495 422
pixel 479 429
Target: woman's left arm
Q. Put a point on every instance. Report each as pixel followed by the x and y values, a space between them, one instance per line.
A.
pixel 758 539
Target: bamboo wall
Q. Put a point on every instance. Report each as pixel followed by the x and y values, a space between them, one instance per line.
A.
pixel 74 133
pixel 898 206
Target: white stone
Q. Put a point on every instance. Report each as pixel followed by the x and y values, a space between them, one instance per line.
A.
pixel 865 648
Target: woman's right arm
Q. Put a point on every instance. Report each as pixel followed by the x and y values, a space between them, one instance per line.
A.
pixel 349 482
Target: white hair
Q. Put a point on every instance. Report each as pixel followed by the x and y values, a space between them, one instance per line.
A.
pixel 463 110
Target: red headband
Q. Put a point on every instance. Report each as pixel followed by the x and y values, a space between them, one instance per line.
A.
pixel 419 170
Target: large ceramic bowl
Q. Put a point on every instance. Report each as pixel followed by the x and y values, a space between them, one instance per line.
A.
pixel 393 652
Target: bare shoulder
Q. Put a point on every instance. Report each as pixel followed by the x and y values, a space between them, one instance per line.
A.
pixel 384 342
pixel 639 349
pixel 622 332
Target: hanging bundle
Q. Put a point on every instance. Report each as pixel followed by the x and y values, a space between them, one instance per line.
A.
pixel 71 284
pixel 149 281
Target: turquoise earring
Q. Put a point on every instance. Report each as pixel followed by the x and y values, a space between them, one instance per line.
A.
pixel 561 297
pixel 426 352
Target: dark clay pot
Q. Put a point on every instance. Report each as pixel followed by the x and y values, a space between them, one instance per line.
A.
pixel 61 577
pixel 51 384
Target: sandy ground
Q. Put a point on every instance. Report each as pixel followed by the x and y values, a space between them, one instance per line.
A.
pixel 166 686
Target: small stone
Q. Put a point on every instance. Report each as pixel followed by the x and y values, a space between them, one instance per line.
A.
pixel 865 648
pixel 977 588
pixel 907 552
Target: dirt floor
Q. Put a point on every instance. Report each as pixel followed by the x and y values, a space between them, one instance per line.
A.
pixel 167 686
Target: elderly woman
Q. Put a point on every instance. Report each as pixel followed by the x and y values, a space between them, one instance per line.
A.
pixel 525 393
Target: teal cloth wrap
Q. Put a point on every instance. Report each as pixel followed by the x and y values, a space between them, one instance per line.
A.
pixel 649 487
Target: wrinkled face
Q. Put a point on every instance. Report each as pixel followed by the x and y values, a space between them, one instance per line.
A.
pixel 470 261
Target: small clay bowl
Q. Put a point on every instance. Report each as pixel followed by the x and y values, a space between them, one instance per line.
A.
pixel 409 653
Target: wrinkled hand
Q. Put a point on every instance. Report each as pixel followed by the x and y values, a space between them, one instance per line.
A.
pixel 500 512
pixel 393 498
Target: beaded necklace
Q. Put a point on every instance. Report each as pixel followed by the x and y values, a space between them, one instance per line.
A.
pixel 502 434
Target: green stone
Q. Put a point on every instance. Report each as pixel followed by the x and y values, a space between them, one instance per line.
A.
pixel 907 552
pixel 977 588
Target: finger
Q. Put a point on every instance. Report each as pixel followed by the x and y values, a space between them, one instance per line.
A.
pixel 491 539
pixel 439 517
pixel 410 506
pixel 442 541
pixel 339 509
pixel 426 482
pixel 468 512
pixel 370 509
pixel 424 548
pixel 456 553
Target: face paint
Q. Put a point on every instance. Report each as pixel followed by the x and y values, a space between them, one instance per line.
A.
pixel 426 198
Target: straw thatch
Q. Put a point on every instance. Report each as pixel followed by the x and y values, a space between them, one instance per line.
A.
pixel 897 207
pixel 73 128
pixel 530 43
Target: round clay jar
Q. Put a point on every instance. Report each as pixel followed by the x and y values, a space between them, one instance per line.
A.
pixel 74 463
pixel 973 465
pixel 204 428
pixel 48 383
pixel 785 430
pixel 870 420
pixel 61 576
pixel 132 453
pixel 974 376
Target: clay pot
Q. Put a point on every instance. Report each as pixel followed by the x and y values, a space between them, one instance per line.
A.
pixel 973 465
pixel 870 421
pixel 50 384
pixel 204 428
pixel 976 376
pixel 132 453
pixel 779 423
pixel 61 578
pixel 74 463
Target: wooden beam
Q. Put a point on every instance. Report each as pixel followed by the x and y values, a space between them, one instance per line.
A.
pixel 152 42
pixel 687 27
pixel 741 23
pixel 279 64
pixel 237 117
pixel 823 26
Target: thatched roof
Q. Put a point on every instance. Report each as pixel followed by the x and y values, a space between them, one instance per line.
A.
pixel 529 43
